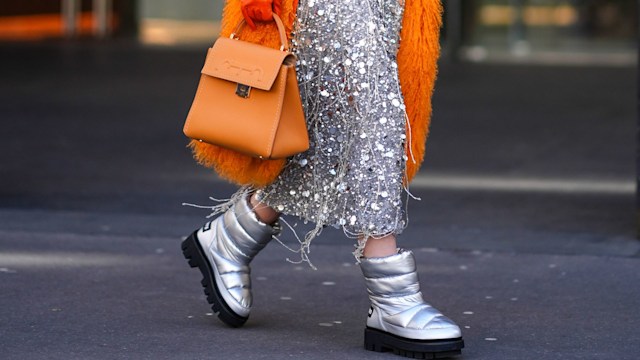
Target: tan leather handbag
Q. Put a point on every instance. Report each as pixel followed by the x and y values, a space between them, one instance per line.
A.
pixel 248 99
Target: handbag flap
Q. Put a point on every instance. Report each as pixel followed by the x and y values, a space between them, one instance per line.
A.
pixel 245 63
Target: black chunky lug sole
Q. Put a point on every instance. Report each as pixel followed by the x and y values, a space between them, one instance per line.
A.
pixel 192 251
pixel 381 341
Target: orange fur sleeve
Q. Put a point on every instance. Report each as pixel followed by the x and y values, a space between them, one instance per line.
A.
pixel 417 67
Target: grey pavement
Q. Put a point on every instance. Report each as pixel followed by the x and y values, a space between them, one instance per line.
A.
pixel 525 233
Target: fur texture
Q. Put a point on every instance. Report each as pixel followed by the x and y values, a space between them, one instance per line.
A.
pixel 417 66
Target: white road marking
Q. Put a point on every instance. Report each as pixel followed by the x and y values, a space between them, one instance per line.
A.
pixel 523 184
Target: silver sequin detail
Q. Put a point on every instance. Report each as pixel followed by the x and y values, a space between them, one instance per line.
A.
pixel 351 177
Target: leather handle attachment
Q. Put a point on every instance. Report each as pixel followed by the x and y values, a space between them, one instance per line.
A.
pixel 284 44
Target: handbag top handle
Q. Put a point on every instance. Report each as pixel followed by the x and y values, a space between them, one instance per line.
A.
pixel 284 44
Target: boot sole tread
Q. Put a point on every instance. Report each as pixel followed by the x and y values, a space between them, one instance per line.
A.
pixel 381 341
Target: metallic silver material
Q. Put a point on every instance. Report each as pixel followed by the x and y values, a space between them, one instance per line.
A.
pixel 230 242
pixel 397 306
pixel 352 175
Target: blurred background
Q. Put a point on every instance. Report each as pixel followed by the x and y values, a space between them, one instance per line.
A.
pixel 475 30
pixel 532 157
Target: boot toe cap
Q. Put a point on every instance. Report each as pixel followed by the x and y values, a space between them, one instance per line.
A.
pixel 433 331
pixel 443 328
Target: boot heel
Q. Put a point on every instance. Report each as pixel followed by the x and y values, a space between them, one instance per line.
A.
pixel 373 341
pixel 189 250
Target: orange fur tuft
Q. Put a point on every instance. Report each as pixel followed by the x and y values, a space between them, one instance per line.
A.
pixel 417 67
pixel 417 59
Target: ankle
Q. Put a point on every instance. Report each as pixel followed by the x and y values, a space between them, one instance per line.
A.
pixel 264 213
pixel 380 247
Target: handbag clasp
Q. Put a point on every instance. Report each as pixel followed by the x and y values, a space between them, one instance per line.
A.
pixel 243 90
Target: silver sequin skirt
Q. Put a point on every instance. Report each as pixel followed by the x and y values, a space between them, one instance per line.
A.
pixel 352 175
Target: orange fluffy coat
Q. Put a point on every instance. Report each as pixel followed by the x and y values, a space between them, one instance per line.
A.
pixel 417 66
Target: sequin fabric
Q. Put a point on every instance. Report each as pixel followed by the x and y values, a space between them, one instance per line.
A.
pixel 352 175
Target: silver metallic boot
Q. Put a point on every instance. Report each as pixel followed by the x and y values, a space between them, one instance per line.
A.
pixel 222 250
pixel 399 318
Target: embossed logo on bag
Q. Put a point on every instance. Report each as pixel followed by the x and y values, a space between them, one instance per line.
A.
pixel 246 71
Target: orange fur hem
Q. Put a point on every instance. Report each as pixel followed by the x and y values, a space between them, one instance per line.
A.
pixel 417 66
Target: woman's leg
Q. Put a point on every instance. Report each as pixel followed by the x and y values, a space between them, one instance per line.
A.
pixel 265 213
pixel 380 247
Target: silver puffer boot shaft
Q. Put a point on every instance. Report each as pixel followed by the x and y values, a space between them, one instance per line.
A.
pixel 230 242
pixel 397 306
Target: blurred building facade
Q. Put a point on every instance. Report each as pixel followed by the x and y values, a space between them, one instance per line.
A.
pixel 476 30
pixel 28 20
pixel 559 30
